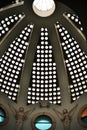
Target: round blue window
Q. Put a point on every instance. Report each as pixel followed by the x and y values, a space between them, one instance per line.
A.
pixel 43 122
pixel 84 119
pixel 84 116
pixel 2 115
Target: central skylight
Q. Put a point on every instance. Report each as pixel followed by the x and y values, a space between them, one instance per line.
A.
pixel 44 8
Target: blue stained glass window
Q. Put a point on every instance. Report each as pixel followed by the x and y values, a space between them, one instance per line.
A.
pixel 2 115
pixel 84 115
pixel 84 119
pixel 43 122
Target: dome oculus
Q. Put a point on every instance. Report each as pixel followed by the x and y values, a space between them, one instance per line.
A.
pixel 43 8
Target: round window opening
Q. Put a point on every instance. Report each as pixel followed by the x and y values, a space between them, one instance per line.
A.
pixel 82 116
pixel 2 115
pixel 43 122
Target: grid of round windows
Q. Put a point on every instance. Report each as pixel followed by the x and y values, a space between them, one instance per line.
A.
pixel 11 64
pixel 75 19
pixel 76 63
pixel 44 81
pixel 7 23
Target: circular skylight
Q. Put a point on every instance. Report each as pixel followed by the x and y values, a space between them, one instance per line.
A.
pixel 43 8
